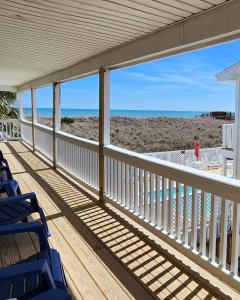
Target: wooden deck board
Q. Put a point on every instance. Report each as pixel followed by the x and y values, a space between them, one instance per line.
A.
pixel 104 256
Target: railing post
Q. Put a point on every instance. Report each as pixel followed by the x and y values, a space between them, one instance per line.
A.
pixel 56 118
pixel 34 115
pixel 104 126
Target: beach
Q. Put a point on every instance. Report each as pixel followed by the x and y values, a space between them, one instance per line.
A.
pixel 150 134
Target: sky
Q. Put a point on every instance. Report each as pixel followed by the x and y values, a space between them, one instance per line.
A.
pixel 184 82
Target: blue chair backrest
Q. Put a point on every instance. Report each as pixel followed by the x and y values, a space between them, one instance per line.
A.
pixel 3 161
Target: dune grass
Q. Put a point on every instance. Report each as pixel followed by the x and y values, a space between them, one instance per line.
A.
pixel 151 134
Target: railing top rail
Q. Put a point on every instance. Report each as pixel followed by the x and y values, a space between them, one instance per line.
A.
pixel 26 122
pixel 89 144
pixel 43 128
pixel 10 120
pixel 229 125
pixel 225 187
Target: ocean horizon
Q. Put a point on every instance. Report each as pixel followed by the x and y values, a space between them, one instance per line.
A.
pixel 72 112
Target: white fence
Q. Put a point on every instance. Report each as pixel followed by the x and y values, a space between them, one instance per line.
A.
pixel 10 130
pixel 228 136
pixel 193 210
pixel 208 157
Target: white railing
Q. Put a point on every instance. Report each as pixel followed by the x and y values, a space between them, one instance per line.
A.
pixel 79 157
pixel 228 136
pixel 76 155
pixel 10 130
pixel 196 210
pixel 44 140
pixel 26 131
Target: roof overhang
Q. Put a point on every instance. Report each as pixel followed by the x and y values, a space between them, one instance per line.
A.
pixel 8 88
pixel 47 41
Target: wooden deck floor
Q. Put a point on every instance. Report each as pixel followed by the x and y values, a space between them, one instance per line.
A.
pixel 104 255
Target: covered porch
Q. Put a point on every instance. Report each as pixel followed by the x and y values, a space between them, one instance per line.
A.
pixel 105 254
pixel 126 225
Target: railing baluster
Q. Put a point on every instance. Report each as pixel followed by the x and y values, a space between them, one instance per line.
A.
pixel 141 204
pixel 87 165
pixel 178 211
pixel 112 174
pixel 194 218
pixel 235 238
pixel 131 190
pixel 158 202
pixel 213 229
pixel 186 214
pixel 119 182
pixel 115 178
pixel 164 204
pixel 123 183
pixel 152 200
pixel 84 164
pixel 78 162
pixel 223 233
pixel 106 166
pixel 127 201
pixel 203 236
pixel 146 196
pixel 91 168
pixel 170 207
pixel 96 171
pixel 136 196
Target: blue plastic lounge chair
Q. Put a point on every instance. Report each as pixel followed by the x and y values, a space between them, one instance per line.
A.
pixel 40 276
pixel 18 208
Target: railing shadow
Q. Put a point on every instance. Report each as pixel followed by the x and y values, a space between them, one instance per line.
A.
pixel 159 272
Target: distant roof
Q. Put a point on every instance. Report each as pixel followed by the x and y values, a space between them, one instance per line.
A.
pixel 230 74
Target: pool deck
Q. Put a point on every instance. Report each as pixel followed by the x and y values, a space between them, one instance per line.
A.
pixel 105 254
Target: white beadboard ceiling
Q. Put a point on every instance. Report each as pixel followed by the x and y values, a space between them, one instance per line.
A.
pixel 38 37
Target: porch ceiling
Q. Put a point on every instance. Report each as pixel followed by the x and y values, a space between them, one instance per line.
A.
pixel 41 37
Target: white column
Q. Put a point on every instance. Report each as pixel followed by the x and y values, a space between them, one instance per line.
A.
pixel 21 114
pixel 104 125
pixel 34 115
pixel 237 132
pixel 56 118
pixel 20 101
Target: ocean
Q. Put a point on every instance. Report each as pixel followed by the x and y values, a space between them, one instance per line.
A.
pixel 70 112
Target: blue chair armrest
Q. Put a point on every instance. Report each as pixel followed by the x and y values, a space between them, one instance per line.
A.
pixel 33 199
pixel 23 197
pixel 53 294
pixel 14 272
pixel 57 269
pixel 34 227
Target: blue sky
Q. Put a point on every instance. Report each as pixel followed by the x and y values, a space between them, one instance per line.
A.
pixel 182 82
